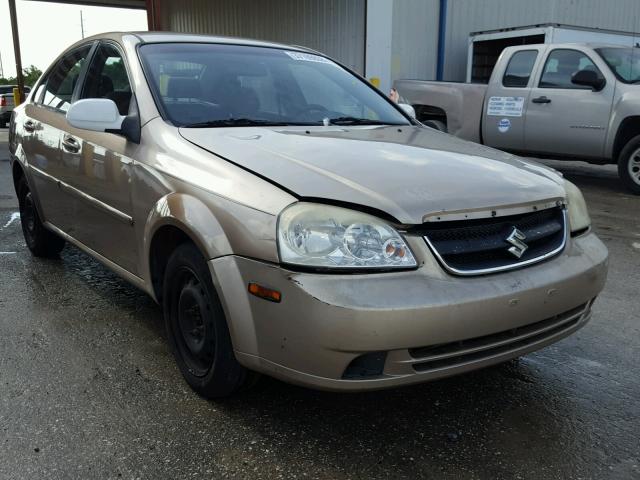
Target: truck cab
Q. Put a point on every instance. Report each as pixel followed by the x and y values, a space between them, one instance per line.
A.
pixel 535 105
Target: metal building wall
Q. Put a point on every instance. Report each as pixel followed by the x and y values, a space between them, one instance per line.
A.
pixel 335 27
pixel 466 16
pixel 414 46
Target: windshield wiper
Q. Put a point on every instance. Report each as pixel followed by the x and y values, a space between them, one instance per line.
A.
pixel 238 122
pixel 355 121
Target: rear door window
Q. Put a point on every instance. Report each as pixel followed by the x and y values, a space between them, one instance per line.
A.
pixel 519 69
pixel 61 80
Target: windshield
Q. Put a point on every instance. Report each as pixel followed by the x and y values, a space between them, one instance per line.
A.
pixel 624 62
pixel 217 85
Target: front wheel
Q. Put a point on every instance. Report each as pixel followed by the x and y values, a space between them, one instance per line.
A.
pixel 629 165
pixel 197 328
pixel 41 242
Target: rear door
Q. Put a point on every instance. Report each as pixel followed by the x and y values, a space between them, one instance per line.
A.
pixel 507 98
pixel 45 118
pixel 563 118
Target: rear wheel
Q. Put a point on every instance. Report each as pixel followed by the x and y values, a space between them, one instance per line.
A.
pixel 41 242
pixel 629 165
pixel 197 328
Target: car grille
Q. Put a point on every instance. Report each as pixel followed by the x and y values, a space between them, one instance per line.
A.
pixel 448 355
pixel 475 247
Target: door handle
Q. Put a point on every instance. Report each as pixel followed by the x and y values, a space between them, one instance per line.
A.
pixel 29 126
pixel 541 99
pixel 70 144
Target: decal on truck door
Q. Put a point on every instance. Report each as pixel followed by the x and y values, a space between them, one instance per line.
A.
pixel 504 125
pixel 505 106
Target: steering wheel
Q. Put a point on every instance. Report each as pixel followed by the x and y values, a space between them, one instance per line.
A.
pixel 312 108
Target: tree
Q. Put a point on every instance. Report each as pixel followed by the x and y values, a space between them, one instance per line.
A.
pixel 30 74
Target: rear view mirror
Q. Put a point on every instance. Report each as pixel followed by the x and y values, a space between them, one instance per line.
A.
pixel 588 78
pixel 408 109
pixel 96 114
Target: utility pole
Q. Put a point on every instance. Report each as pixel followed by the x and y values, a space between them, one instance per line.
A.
pixel 81 24
pixel 16 47
pixel 1 69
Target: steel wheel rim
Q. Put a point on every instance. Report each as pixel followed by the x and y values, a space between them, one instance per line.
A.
pixel 633 166
pixel 28 215
pixel 194 333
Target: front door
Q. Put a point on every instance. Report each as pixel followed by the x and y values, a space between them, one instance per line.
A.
pixel 99 166
pixel 563 118
pixel 506 102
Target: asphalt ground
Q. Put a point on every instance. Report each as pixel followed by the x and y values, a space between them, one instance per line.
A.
pixel 88 388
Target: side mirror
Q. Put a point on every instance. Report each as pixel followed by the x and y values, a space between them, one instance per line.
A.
pixel 96 114
pixel 588 78
pixel 408 109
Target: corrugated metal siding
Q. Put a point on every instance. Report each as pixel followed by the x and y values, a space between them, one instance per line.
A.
pixel 466 16
pixel 414 43
pixel 335 27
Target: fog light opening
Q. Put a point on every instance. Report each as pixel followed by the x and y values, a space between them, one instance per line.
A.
pixel 366 367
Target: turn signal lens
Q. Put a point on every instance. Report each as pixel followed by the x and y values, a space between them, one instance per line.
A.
pixel 265 293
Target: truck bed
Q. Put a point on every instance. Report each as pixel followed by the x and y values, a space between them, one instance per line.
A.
pixel 463 103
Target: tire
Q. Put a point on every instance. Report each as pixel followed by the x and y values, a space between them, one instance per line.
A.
pixel 41 242
pixel 629 165
pixel 197 329
pixel 436 125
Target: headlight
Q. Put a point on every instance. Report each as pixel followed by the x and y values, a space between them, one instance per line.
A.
pixel 316 235
pixel 578 213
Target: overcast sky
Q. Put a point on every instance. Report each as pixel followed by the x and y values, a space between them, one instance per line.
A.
pixel 46 29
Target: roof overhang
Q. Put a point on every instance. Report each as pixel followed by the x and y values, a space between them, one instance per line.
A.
pixel 137 4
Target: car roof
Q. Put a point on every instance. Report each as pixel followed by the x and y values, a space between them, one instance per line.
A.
pixel 169 37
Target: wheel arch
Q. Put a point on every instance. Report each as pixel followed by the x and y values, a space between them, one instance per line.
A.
pixel 629 128
pixel 175 219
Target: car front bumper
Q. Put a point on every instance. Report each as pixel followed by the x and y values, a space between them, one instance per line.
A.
pixel 373 331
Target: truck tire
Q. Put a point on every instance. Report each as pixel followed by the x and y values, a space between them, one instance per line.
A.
pixel 197 328
pixel 41 242
pixel 629 165
pixel 436 125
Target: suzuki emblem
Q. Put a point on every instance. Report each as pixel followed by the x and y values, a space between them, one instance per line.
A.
pixel 516 239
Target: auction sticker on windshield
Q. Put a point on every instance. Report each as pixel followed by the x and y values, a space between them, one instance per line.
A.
pixel 505 106
pixel 308 57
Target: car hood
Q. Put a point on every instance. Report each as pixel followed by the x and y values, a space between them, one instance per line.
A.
pixel 408 172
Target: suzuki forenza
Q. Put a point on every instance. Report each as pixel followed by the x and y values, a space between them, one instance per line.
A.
pixel 291 220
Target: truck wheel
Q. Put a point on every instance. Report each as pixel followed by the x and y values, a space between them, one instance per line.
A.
pixel 436 125
pixel 41 242
pixel 629 165
pixel 197 328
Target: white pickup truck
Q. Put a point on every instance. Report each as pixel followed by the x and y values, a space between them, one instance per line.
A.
pixel 7 103
pixel 567 101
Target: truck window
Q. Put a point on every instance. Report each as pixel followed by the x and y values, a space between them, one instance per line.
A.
pixel 519 69
pixel 560 66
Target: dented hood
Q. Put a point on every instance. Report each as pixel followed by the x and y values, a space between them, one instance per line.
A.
pixel 408 172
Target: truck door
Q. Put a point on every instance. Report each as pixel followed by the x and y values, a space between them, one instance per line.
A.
pixel 506 98
pixel 563 118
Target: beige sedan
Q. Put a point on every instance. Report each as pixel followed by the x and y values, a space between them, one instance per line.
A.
pixel 293 221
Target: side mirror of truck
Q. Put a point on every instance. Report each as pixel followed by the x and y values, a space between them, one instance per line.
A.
pixel 588 78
